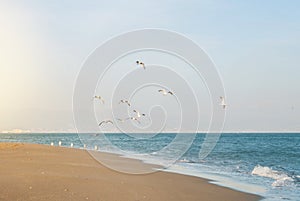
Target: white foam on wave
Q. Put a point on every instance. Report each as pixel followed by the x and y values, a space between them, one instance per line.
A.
pixel 282 182
pixel 281 178
pixel 218 179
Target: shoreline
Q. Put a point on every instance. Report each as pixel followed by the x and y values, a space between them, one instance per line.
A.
pixel 41 172
pixel 213 179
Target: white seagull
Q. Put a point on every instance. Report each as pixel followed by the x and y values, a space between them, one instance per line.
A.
pixel 141 64
pixel 138 114
pixel 100 98
pixel 223 104
pixel 164 92
pixel 106 122
pixel 124 101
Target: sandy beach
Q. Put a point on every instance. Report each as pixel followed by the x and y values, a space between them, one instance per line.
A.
pixel 40 172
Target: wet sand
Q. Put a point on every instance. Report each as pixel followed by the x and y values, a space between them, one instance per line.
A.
pixel 40 172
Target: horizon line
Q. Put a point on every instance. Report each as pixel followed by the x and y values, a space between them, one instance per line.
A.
pixel 111 132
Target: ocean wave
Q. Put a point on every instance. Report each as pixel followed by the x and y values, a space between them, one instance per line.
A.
pixel 281 178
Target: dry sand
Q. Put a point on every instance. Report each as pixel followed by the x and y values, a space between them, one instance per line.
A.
pixel 39 172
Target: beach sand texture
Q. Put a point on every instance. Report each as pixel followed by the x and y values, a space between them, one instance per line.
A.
pixel 40 172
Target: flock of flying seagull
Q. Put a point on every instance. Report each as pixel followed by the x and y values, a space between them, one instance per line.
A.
pixel 139 115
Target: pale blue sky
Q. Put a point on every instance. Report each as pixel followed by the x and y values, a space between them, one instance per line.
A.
pixel 255 45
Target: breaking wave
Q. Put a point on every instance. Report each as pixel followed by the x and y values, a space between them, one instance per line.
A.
pixel 281 178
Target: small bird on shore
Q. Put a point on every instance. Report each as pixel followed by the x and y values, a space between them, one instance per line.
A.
pixel 106 122
pixel 100 98
pixel 223 104
pixel 125 101
pixel 138 114
pixel 141 64
pixel 165 92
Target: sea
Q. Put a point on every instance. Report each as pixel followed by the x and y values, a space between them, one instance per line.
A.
pixel 267 164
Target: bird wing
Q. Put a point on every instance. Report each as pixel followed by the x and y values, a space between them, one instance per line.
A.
pixel 100 98
pixel 170 92
pixel 124 101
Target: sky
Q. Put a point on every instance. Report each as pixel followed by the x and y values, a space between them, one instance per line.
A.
pixel 254 44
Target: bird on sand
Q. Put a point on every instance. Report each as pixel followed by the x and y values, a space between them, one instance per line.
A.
pixel 124 101
pixel 165 92
pixel 223 104
pixel 106 122
pixel 141 64
pixel 100 98
pixel 138 114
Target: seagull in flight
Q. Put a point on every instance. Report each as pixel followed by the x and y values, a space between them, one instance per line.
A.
pixel 100 98
pixel 164 92
pixel 106 122
pixel 138 114
pixel 223 104
pixel 141 64
pixel 125 101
